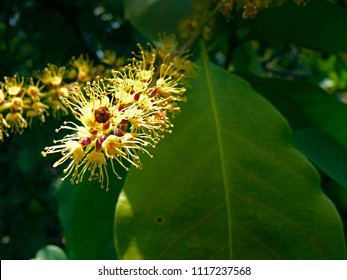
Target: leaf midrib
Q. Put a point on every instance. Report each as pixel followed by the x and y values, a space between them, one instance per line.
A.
pixel 211 92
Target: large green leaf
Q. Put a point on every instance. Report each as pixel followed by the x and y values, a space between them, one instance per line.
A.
pixel 304 105
pixel 227 184
pixel 319 24
pixel 151 17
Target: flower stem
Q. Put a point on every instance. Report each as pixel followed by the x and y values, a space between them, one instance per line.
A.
pixel 198 32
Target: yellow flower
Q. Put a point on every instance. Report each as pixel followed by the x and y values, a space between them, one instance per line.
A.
pixel 14 85
pixel 92 110
pixel 119 118
pixel 36 110
pixel 110 58
pixel 70 149
pixel 53 100
pixel 95 163
pixel 102 134
pixel 16 122
pixel 82 67
pixel 4 126
pixel 34 90
pixel 17 104
pixel 57 107
pixel 52 75
pixel 251 8
pixel 2 93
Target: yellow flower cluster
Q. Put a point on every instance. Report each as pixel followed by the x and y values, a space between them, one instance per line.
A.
pixel 202 21
pixel 22 100
pixel 20 103
pixel 250 8
pixel 122 116
pixel 52 78
pixel 194 24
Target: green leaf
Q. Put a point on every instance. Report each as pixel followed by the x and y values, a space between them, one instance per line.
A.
pixel 244 59
pixel 88 217
pixel 338 194
pixel 227 184
pixel 305 105
pixel 50 252
pixel 319 24
pixel 91 222
pixel 330 157
pixel 325 152
pixel 66 199
pixel 156 16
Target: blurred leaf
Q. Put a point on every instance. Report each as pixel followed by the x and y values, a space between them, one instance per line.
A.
pixel 305 105
pixel 319 24
pixel 65 198
pixel 156 16
pixel 244 59
pixel 91 217
pixel 228 184
pixel 324 151
pixel 91 230
pixel 50 252
pixel 338 194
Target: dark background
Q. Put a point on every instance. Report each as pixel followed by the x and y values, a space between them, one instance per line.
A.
pixel 32 34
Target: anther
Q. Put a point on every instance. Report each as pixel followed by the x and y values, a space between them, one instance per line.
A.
pixel 121 107
pixel 102 138
pixel 137 96
pixel 118 132
pixel 86 141
pixel 106 126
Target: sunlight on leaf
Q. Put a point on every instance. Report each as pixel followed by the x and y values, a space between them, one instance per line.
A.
pixel 226 184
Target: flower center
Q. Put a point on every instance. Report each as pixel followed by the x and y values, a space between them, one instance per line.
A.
pixel 102 115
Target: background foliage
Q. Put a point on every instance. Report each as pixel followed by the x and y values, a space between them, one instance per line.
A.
pixel 34 33
pixel 253 169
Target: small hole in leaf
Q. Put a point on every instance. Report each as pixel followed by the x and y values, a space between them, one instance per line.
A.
pixel 159 220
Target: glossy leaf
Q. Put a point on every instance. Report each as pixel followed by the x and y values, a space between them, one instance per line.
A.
pixel 156 16
pixel 325 152
pixel 227 184
pixel 319 24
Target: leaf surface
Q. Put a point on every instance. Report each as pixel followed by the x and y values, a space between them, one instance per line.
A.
pixel 227 184
pixel 87 214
